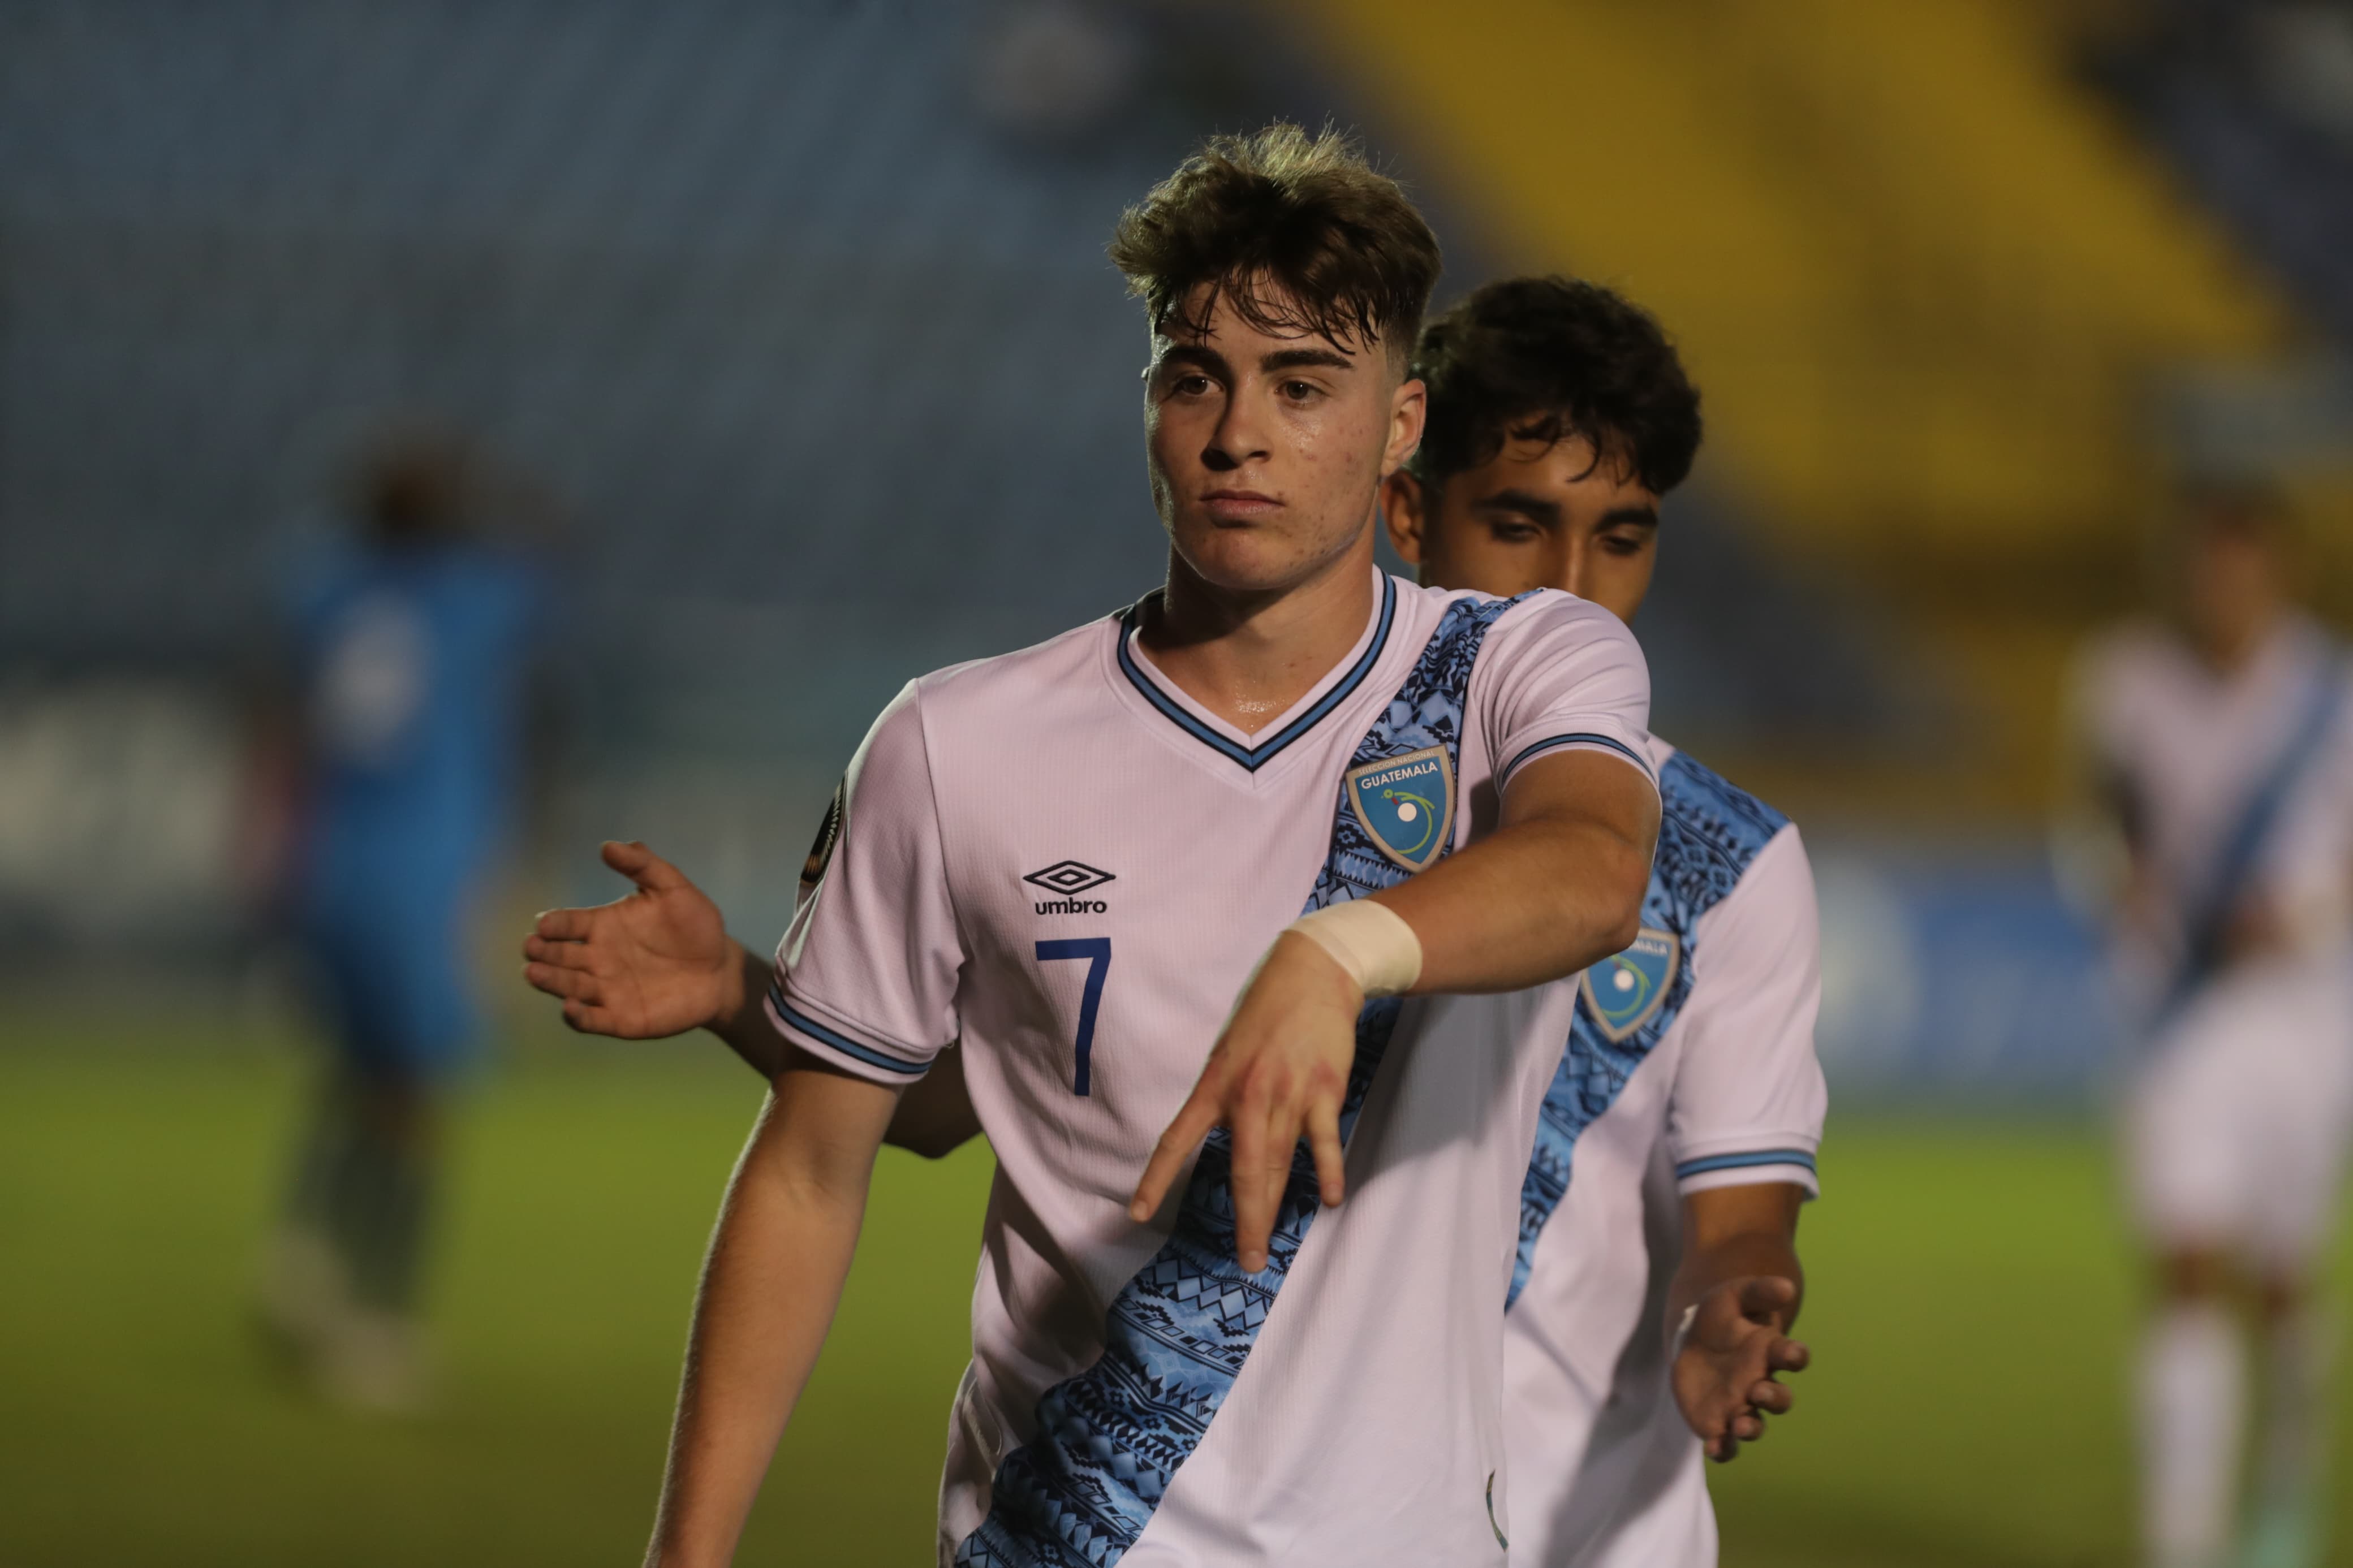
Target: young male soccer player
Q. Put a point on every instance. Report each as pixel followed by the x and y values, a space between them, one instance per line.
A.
pixel 2220 747
pixel 1203 1366
pixel 1695 1070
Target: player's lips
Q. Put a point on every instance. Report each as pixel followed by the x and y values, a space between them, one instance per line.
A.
pixel 1240 506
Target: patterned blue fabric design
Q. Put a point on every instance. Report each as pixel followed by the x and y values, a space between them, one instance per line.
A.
pixel 1710 830
pixel 1110 1440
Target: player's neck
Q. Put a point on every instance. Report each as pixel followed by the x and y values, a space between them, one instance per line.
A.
pixel 2227 651
pixel 1248 657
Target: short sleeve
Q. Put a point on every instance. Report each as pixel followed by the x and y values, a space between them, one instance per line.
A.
pixel 1562 674
pixel 1748 1098
pixel 866 977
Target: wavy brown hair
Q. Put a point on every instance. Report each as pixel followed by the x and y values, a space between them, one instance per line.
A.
pixel 1298 233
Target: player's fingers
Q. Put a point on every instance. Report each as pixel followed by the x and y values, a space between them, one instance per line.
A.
pixel 1168 1156
pixel 640 864
pixel 1789 1355
pixel 1287 1126
pixel 562 955
pixel 1324 1140
pixel 1744 1427
pixel 572 984
pixel 564 925
pixel 1253 1212
pixel 1770 1397
pixel 1765 1295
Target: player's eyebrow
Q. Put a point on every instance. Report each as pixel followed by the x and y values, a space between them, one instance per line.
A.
pixel 1301 359
pixel 1199 355
pixel 1535 506
pixel 1645 516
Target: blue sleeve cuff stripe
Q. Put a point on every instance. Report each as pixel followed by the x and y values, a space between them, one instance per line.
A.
pixel 1581 739
pixel 840 1042
pixel 1742 1162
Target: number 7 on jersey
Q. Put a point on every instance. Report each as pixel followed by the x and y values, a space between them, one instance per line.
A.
pixel 1096 950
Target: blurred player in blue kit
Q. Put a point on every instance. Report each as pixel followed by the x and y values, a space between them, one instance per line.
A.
pixel 1653 1295
pixel 409 647
pixel 2215 759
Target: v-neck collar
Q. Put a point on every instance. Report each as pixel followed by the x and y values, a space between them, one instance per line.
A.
pixel 1314 709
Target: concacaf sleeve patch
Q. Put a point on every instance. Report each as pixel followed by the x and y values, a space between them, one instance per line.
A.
pixel 829 834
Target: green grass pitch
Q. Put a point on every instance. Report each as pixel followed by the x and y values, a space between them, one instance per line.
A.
pixel 1971 1297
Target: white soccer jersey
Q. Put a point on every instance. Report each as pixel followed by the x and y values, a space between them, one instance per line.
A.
pixel 1690 1065
pixel 2243 779
pixel 2237 788
pixel 1063 862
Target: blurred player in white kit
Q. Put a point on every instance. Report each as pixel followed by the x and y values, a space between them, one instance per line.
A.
pixel 2217 748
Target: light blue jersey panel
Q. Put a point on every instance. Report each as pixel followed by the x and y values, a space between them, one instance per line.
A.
pixel 1710 832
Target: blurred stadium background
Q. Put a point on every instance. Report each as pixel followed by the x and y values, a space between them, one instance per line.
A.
pixel 787 330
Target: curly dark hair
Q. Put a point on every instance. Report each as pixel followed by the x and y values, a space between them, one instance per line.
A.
pixel 1298 232
pixel 1548 358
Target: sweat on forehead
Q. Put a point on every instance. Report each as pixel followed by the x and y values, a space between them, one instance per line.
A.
pixel 1261 307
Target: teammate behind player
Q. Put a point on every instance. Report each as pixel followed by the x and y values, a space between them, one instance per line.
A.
pixel 2219 748
pixel 411 645
pixel 1652 1294
pixel 1454 786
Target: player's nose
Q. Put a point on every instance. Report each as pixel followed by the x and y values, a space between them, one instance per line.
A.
pixel 1238 437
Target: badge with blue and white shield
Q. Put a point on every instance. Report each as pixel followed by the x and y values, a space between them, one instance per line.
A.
pixel 1626 990
pixel 1404 805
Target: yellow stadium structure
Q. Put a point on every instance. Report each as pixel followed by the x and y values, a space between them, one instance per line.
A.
pixel 1926 283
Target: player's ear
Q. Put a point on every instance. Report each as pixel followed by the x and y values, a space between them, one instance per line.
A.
pixel 1403 515
pixel 1409 407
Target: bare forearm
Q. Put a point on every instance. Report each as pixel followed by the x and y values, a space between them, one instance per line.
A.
pixel 769 1289
pixel 1557 886
pixel 1743 1232
pixel 1747 1257
pixel 1535 902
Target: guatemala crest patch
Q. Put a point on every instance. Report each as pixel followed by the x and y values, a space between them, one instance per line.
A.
pixel 1625 990
pixel 1404 805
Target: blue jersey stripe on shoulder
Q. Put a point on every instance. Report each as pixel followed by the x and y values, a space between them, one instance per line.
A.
pixel 1710 832
pixel 840 1042
pixel 1701 1167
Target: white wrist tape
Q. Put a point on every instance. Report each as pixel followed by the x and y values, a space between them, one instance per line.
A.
pixel 1369 941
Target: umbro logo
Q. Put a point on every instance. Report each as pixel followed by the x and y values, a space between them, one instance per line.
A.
pixel 1069 878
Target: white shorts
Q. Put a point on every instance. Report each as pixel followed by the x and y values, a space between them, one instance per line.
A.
pixel 2237 1124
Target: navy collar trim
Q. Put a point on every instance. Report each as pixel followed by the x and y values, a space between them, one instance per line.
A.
pixel 1255 757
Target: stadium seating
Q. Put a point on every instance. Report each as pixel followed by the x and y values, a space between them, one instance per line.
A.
pixel 764 297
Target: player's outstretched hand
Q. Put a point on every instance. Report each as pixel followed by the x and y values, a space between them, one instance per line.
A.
pixel 1277 1074
pixel 1724 1377
pixel 658 962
